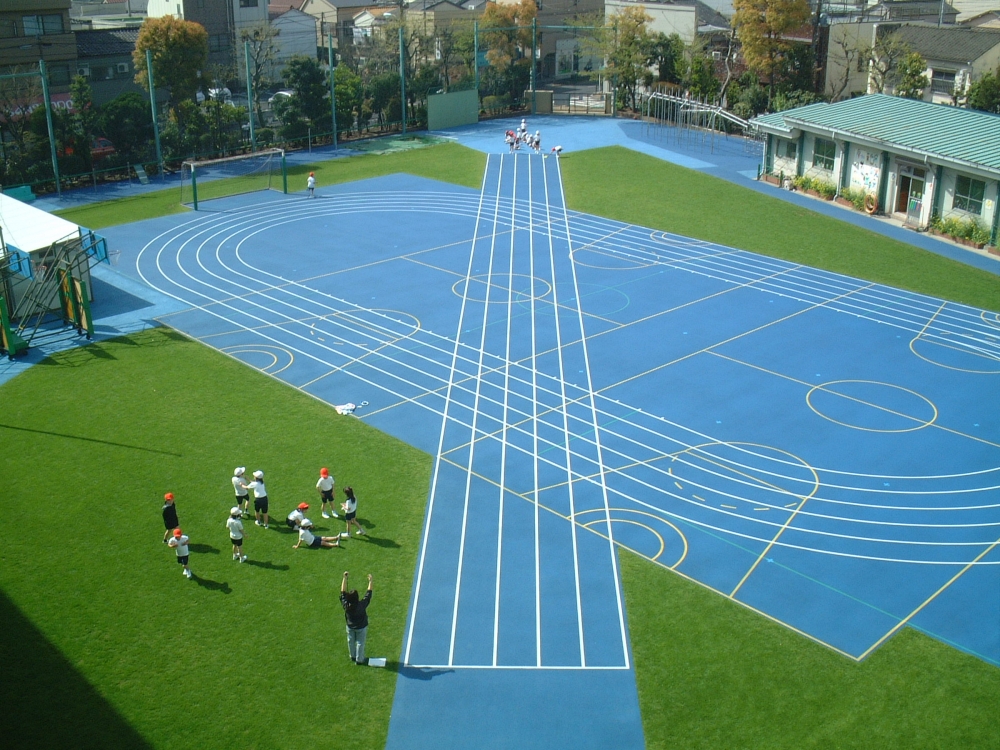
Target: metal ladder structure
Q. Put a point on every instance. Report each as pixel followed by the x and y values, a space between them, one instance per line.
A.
pixel 689 118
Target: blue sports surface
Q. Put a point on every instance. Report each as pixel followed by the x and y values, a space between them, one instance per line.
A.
pixel 823 450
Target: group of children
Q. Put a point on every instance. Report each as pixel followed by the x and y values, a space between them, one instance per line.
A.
pixel 180 542
pixel 514 138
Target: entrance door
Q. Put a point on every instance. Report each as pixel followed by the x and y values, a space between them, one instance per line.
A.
pixel 911 188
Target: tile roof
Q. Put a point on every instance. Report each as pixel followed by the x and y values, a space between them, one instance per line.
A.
pixel 106 42
pixel 963 136
pixel 950 44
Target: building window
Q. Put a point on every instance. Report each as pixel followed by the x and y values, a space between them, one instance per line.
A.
pixel 791 149
pixel 59 75
pixel 824 152
pixel 248 3
pixel 8 28
pixel 943 82
pixel 218 43
pixel 39 25
pixel 969 195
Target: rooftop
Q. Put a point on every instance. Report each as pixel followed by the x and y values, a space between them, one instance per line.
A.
pixel 106 42
pixel 964 136
pixel 951 44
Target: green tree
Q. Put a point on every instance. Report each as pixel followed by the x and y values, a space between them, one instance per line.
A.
pixel 309 104
pixel 884 58
pixel 984 93
pixel 912 76
pixel 127 123
pixel 763 27
pixel 85 115
pixel 666 53
pixel 505 34
pixel 180 53
pixel 700 78
pixel 348 90
pixel 746 97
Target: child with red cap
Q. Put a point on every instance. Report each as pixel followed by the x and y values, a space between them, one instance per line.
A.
pixel 297 516
pixel 180 543
pixel 169 515
pixel 325 489
pixel 311 184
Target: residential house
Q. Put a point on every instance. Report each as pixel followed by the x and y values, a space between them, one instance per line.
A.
pixel 98 14
pixel 296 36
pixel 432 15
pixel 222 19
pixel 33 30
pixel 955 56
pixel 368 22
pixel 917 158
pixel 988 20
pixel 337 17
pixel 560 51
pixel 971 8
pixel 105 60
pixel 689 19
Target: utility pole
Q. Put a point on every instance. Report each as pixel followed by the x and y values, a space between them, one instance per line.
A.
pixel 333 90
pixel 250 93
pixel 48 122
pixel 152 107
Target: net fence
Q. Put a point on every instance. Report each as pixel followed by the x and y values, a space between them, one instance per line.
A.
pixel 219 178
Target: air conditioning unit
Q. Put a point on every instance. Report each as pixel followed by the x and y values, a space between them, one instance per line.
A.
pixel 83 70
pixel 123 67
pixel 716 55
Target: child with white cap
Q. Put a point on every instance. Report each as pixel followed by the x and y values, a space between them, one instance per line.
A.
pixel 180 544
pixel 325 488
pixel 259 498
pixel 297 516
pixel 240 485
pixel 236 533
pixel 312 541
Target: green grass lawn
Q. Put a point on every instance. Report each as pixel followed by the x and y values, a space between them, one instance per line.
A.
pixel 448 162
pixel 712 674
pixel 103 642
pixel 621 184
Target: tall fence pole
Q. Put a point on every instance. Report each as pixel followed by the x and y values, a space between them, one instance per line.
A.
pixel 152 109
pixel 333 89
pixel 402 78
pixel 475 52
pixel 48 121
pixel 534 37
pixel 250 93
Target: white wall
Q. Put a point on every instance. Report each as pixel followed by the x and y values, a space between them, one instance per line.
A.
pixel 670 19
pixel 296 36
pixel 157 8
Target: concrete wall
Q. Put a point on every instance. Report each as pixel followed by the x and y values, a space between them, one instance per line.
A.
pixel 851 36
pixel 452 109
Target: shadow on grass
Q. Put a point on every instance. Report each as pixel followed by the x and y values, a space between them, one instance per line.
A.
pixel 46 701
pixel 87 439
pixel 208 583
pixel 267 565
pixel 203 549
pixel 379 541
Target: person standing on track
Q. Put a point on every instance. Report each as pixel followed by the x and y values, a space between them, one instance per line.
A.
pixel 311 185
pixel 350 507
pixel 536 142
pixel 356 614
pixel 169 516
pixel 236 533
pixel 180 543
pixel 325 488
pixel 240 485
pixel 259 498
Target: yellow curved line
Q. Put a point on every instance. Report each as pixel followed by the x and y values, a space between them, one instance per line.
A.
pixel 661 519
pixel 481 278
pixel 653 531
pixel 824 388
pixel 263 349
pixel 635 265
pixel 950 367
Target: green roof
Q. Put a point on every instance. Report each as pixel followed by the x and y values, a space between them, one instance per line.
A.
pixel 937 130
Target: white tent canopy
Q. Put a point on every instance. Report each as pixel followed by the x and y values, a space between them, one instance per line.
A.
pixel 28 228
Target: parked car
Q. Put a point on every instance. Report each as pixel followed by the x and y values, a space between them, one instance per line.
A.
pixel 279 95
pixel 101 148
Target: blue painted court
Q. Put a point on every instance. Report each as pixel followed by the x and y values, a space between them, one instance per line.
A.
pixel 823 450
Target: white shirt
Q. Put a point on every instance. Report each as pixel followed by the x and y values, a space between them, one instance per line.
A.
pixel 311 183
pixel 180 544
pixel 259 490
pixel 350 505
pixel 296 516
pixel 235 528
pixel 240 485
pixel 306 537
pixel 325 483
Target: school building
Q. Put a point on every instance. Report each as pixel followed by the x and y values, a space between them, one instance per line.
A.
pixel 917 158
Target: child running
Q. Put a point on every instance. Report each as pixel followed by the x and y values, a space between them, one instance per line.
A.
pixel 180 544
pixel 236 533
pixel 311 540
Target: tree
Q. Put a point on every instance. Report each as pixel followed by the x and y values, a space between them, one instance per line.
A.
pixel 126 121
pixel 625 45
pixel 180 53
pixel 883 61
pixel 347 89
pixel 984 93
pixel 912 76
pixel 848 53
pixel 667 54
pixel 260 38
pixel 309 104
pixel 18 96
pixel 505 32
pixel 762 27
pixel 85 115
pixel 700 80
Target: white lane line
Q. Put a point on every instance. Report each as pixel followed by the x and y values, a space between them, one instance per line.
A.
pixel 475 421
pixel 564 409
pixel 595 426
pixel 534 434
pixel 444 426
